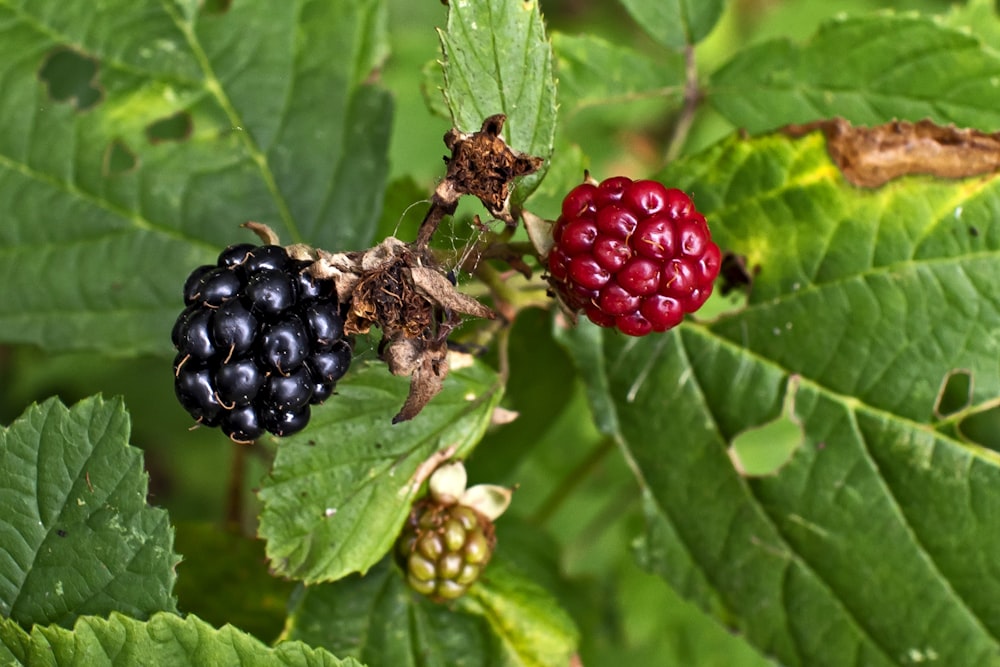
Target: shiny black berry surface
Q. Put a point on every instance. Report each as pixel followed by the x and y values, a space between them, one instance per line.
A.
pixel 259 341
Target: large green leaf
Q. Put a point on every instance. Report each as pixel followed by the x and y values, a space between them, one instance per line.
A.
pixel 77 535
pixel 874 544
pixel 137 135
pixel 868 69
pixel 340 491
pixel 165 639
pixel 593 71
pixel 505 620
pixel 497 60
pixel 676 23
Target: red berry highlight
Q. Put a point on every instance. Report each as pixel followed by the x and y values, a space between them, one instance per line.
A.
pixel 633 255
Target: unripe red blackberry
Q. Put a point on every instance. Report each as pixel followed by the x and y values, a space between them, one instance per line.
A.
pixel 258 342
pixel 633 255
pixel 444 548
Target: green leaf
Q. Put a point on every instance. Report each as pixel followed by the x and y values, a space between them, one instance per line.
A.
pixel 78 536
pixel 497 60
pixel 980 17
pixel 138 135
pixel 505 620
pixel 531 628
pixel 593 71
pixel 339 492
pixel 165 639
pixel 379 620
pixel 676 23
pixel 432 88
pixel 764 449
pixel 869 70
pixel 873 543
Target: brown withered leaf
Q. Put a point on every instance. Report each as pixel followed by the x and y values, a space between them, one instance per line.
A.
pixel 426 381
pixel 438 289
pixel 398 287
pixel 873 156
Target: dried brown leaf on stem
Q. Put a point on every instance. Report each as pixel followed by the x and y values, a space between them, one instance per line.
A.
pixel 398 288
pixel 873 156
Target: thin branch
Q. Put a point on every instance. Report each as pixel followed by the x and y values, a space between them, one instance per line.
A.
pixel 692 98
pixel 572 480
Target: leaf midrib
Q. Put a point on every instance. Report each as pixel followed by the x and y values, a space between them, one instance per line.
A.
pixel 852 406
pixel 216 89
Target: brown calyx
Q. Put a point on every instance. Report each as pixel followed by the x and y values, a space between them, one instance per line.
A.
pixel 399 288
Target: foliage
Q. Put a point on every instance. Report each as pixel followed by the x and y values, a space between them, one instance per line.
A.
pixel 804 473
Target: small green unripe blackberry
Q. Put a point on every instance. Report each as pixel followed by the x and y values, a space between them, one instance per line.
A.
pixel 444 548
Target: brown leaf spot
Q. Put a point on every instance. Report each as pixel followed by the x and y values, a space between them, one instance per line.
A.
pixel 871 157
pixel 734 273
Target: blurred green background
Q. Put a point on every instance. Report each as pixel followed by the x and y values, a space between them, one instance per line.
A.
pixel 573 487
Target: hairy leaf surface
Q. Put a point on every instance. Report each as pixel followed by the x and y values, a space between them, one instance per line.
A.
pixel 165 639
pixel 867 69
pixel 138 135
pixel 340 491
pixel 77 535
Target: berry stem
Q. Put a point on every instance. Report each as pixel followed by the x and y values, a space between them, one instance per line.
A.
pixel 504 297
pixel 435 215
pixel 692 98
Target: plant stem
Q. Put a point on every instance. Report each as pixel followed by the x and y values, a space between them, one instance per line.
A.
pixel 692 98
pixel 434 216
pixel 572 480
pixel 503 296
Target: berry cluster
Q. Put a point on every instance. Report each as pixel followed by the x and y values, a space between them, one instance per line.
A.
pixel 259 342
pixel 444 548
pixel 633 255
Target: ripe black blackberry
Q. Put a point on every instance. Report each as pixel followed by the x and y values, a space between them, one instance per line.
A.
pixel 259 341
